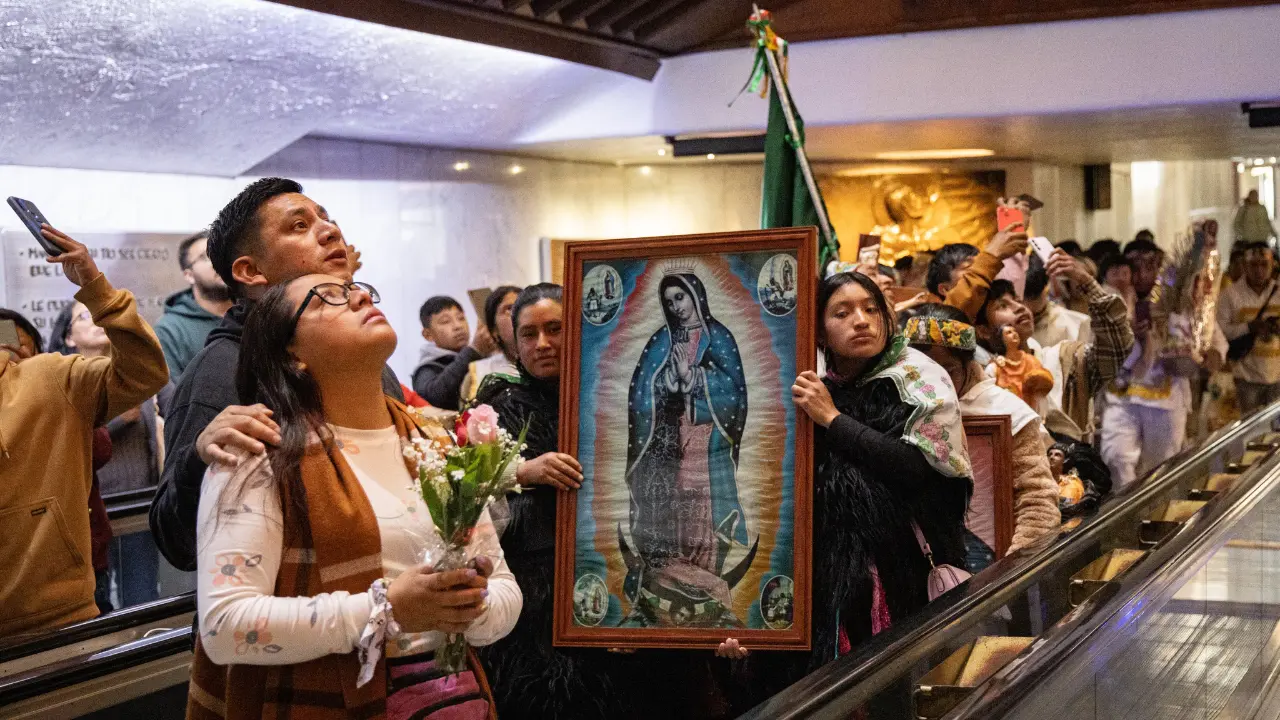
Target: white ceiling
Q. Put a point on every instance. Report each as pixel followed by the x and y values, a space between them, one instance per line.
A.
pixel 215 86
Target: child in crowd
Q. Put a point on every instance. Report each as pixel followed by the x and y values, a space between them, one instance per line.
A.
pixel 446 358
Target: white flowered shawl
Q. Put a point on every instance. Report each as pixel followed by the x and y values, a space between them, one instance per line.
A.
pixel 934 427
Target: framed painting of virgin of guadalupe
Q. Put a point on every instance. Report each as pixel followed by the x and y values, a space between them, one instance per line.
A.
pixel 693 520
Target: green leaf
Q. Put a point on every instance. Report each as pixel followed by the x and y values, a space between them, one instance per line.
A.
pixel 435 505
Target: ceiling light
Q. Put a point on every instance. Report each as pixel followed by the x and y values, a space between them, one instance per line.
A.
pixel 711 156
pixel 1257 161
pixel 462 166
pixel 662 151
pixel 1240 168
pixel 645 169
pixel 515 169
pixel 882 169
pixel 1273 161
pixel 953 154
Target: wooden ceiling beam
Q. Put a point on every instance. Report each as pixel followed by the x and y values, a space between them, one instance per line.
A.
pixel 613 12
pixel 662 13
pixel 578 9
pixel 497 28
pixel 544 8
pixel 703 22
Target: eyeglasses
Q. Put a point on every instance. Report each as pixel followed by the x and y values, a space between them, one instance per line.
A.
pixel 335 294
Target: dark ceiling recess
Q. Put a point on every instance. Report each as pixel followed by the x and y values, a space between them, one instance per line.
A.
pixel 1262 114
pixel 691 146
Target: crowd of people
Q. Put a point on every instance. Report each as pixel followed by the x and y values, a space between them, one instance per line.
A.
pixel 262 407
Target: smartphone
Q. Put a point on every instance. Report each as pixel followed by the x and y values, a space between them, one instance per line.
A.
pixel 1006 216
pixel 479 297
pixel 1043 248
pixel 33 219
pixel 9 333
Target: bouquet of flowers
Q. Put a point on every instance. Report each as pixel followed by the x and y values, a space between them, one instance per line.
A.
pixel 457 476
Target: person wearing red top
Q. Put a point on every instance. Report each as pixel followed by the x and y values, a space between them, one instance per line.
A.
pixel 100 534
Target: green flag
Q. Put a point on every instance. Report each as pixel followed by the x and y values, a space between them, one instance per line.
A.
pixel 786 200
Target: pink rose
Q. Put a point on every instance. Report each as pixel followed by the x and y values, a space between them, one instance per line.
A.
pixel 482 425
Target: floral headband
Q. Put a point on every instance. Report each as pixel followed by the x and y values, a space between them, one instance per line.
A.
pixel 927 330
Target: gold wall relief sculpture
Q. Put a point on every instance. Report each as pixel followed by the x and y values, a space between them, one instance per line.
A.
pixel 913 212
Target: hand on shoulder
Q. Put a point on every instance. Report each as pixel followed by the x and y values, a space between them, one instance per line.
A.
pixel 236 432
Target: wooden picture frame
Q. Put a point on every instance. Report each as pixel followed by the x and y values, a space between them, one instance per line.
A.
pixel 990 442
pixel 552 257
pixel 631 571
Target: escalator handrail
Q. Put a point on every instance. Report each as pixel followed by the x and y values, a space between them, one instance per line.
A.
pixel 72 671
pixel 129 502
pixel 129 509
pixel 129 496
pixel 124 619
pixel 847 683
pixel 1128 600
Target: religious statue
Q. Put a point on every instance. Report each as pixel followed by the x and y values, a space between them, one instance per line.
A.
pixel 1018 371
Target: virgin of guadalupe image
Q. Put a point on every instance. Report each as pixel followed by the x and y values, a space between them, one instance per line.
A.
pixel 686 409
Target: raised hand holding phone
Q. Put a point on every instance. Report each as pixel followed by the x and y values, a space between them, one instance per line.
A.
pixel 1062 265
pixel 31 216
pixel 76 263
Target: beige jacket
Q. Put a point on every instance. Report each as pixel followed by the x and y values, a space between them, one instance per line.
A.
pixel 49 406
pixel 1035 493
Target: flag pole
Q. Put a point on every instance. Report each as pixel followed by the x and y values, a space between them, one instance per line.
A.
pixel 780 85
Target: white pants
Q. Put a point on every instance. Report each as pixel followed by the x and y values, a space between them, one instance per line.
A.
pixel 1137 438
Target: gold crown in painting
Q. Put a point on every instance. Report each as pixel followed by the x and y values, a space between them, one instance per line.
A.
pixel 678 268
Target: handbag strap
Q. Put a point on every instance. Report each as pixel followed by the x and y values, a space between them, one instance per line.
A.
pixel 1267 303
pixel 924 544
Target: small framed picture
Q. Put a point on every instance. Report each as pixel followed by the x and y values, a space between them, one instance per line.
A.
pixel 990 440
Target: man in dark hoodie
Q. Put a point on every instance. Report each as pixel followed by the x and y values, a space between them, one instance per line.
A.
pixel 268 234
pixel 190 315
pixel 446 358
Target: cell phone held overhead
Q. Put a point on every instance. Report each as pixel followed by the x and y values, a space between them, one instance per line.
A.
pixel 1010 218
pixel 1042 247
pixel 33 219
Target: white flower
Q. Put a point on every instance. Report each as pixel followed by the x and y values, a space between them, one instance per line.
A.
pixel 457 475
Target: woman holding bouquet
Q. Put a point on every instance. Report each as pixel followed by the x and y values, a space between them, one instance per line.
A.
pixel 309 554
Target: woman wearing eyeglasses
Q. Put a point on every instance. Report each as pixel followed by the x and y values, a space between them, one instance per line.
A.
pixel 308 555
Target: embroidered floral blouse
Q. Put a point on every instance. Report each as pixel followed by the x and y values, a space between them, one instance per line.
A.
pixel 238 556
